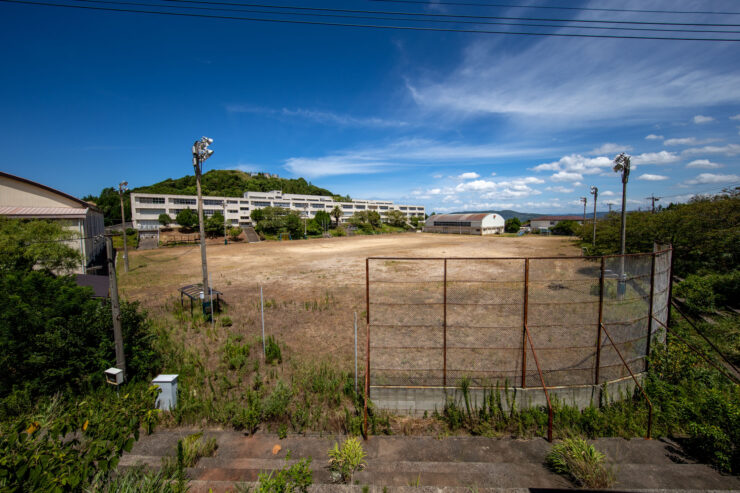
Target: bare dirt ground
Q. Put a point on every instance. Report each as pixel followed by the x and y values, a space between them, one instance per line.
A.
pixel 311 288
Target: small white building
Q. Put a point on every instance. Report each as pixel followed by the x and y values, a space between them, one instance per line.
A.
pixel 465 224
pixel 548 222
pixel 25 199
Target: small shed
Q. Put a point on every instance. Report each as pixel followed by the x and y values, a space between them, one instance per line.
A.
pixel 465 224
pixel 193 291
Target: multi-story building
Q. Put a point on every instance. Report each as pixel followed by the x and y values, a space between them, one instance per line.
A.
pixel 146 207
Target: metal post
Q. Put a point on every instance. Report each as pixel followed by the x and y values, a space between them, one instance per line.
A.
pixel 670 292
pixel 367 290
pixel 226 241
pixel 444 328
pixel 115 307
pixel 650 311
pixel 201 226
pixel 601 319
pixel 524 331
pixel 262 312
pixel 123 228
pixel 210 293
pixel 595 192
pixel 355 352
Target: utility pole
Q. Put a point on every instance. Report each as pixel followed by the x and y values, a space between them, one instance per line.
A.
pixel 201 152
pixel 226 242
pixel 654 199
pixel 115 306
pixel 622 164
pixel 595 193
pixel 584 200
pixel 122 187
pixel 609 204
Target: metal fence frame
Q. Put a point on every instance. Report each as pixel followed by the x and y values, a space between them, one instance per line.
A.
pixel 526 339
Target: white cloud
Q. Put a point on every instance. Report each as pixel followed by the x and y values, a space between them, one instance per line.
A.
pixel 323 117
pixel 727 150
pixel 650 177
pixel 607 193
pixel 653 137
pixel 735 117
pixel 566 176
pixel 705 178
pixel 575 165
pixel 468 176
pixel 577 81
pixel 610 148
pixel 699 119
pixel 703 163
pixel 662 157
pixel 690 141
pixel 335 165
pixel 560 189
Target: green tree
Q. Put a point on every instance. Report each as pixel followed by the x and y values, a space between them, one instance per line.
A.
pixel 336 213
pixel 512 225
pixel 109 203
pixel 396 218
pixel 165 220
pixel 321 218
pixel 187 218
pixel 373 217
pixel 566 228
pixel 234 233
pixel 25 245
pixel 257 215
pixel 215 225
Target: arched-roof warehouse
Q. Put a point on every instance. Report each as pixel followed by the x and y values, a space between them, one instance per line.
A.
pixel 465 224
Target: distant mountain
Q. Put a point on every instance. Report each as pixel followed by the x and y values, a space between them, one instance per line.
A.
pixel 507 214
pixel 233 183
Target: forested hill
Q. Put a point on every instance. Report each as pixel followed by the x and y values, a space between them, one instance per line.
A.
pixel 232 183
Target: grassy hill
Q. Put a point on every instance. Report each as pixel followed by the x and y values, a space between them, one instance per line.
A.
pixel 232 183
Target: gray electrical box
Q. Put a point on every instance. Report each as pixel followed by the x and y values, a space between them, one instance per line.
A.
pixel 167 398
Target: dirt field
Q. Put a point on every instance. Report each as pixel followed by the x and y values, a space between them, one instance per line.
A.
pixel 311 288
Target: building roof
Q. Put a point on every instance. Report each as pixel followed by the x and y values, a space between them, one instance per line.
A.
pixel 84 204
pixel 99 284
pixel 558 218
pixel 459 217
pixel 44 212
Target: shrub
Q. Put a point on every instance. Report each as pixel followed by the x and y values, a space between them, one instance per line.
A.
pixel 290 479
pixel 226 321
pixel 189 451
pixel 339 231
pixel 344 461
pixel 581 462
pixel 234 233
pixel 272 351
pixel 187 218
pixel 705 293
pixel 235 354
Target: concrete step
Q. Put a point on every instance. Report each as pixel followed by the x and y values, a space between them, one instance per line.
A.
pixel 251 234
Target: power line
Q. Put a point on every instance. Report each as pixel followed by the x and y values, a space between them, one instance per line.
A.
pixel 459 16
pixel 366 26
pixel 553 7
pixel 447 21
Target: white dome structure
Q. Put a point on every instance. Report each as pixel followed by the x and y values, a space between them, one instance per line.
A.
pixel 465 224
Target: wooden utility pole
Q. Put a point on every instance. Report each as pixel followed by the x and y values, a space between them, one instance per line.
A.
pixel 653 199
pixel 122 188
pixel 115 306
pixel 584 200
pixel 226 242
pixel 595 192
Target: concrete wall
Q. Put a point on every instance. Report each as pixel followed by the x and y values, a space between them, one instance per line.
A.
pixel 17 193
pixel 416 401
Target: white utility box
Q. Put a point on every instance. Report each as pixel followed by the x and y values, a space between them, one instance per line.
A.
pixel 114 376
pixel 167 398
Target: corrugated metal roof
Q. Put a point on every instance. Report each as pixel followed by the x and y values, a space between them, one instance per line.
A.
pixel 459 217
pixel 43 212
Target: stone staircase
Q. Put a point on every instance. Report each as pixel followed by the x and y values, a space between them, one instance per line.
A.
pixel 453 464
pixel 251 234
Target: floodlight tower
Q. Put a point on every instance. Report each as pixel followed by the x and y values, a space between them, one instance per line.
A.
pixel 595 193
pixel 201 152
pixel 122 187
pixel 622 164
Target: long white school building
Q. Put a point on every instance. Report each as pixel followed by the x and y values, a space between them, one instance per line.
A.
pixel 146 207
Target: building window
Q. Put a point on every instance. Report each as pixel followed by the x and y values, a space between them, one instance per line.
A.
pixel 233 211
pixel 302 206
pixel 232 201
pixel 150 211
pixel 317 206
pixel 183 201
pixel 360 207
pixel 260 204
pixel 213 202
pixel 243 208
pixel 282 204
pixel 383 207
pixel 465 224
pixel 150 200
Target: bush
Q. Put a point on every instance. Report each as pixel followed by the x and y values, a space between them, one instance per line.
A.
pixel 234 233
pixel 190 450
pixel 344 461
pixel 165 220
pixel 339 231
pixel 272 351
pixel 290 479
pixel 581 462
pixel 512 225
pixel 705 293
pixel 566 228
pixel 187 218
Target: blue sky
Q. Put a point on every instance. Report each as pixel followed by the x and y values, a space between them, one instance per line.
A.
pixel 452 121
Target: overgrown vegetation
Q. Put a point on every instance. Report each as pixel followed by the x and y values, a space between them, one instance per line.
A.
pixel 580 462
pixel 346 460
pixel 294 478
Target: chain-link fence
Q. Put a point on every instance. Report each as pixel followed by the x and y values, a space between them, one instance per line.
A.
pixel 433 321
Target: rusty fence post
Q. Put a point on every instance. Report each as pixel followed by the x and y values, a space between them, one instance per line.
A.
pixel 601 319
pixel 444 327
pixel 367 348
pixel 650 312
pixel 524 330
pixel 670 292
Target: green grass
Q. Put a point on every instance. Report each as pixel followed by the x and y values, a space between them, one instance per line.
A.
pixel 580 462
